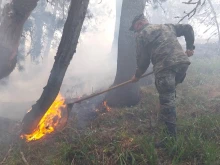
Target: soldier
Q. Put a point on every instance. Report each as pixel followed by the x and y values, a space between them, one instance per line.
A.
pixel 158 44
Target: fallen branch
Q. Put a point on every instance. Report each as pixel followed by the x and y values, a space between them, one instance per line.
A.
pixel 23 158
pixel 7 155
pixel 72 163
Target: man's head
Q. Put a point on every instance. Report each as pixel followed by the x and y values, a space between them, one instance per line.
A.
pixel 138 23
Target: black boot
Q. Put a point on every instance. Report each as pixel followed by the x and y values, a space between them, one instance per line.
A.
pixel 162 143
pixel 171 135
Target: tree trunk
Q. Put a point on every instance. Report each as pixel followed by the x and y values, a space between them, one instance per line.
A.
pixel 117 24
pixel 37 36
pixel 65 52
pixel 14 16
pixel 216 20
pixel 126 63
pixel 0 9
pixel 51 31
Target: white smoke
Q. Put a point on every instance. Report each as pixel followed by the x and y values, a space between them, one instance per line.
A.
pixel 92 67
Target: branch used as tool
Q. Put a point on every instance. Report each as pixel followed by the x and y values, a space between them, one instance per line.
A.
pixel 71 102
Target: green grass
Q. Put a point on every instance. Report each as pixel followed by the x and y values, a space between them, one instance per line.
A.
pixel 126 136
pixel 197 140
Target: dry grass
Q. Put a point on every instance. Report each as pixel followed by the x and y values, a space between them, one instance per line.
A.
pixel 126 136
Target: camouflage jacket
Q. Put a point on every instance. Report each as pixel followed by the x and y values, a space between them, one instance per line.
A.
pixel 158 44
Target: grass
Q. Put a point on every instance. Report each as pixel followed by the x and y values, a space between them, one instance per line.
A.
pixel 198 142
pixel 126 136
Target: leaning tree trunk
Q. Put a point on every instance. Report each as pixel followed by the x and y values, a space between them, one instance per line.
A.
pixel 65 52
pixel 14 16
pixel 126 64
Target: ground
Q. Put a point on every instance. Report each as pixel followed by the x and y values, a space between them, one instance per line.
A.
pixel 126 136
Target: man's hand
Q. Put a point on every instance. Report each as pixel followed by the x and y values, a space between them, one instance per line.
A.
pixel 189 53
pixel 134 79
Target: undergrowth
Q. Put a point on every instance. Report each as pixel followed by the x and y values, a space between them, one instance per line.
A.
pixel 126 136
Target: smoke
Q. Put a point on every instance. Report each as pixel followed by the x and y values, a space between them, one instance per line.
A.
pixel 92 67
pixel 173 11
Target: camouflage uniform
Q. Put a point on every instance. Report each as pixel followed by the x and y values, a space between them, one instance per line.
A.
pixel 158 44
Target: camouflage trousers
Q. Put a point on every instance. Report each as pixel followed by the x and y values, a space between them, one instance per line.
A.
pixel 166 82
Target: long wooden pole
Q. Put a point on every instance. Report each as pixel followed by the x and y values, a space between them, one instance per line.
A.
pixel 70 102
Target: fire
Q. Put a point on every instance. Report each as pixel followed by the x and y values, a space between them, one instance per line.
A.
pixel 106 106
pixel 49 121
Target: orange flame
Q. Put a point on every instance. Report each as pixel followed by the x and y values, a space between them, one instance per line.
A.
pixel 49 121
pixel 106 106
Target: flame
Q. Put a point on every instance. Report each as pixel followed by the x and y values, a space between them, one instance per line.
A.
pixel 49 121
pixel 106 106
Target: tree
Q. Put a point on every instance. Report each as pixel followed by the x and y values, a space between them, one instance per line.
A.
pixel 205 12
pixel 215 20
pixel 117 24
pixel 37 33
pixel 126 63
pixel 65 52
pixel 14 16
pixel 45 20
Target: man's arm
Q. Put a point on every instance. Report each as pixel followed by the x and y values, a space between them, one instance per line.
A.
pixel 187 31
pixel 143 58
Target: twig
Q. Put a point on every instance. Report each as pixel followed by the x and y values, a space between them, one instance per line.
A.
pixel 207 29
pixel 72 163
pixel 161 7
pixel 7 155
pixel 100 2
pixel 193 11
pixel 23 158
pixel 211 36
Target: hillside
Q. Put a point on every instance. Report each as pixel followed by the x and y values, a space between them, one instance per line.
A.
pixel 126 136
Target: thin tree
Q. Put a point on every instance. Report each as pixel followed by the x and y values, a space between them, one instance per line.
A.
pixel 14 16
pixel 215 19
pixel 66 50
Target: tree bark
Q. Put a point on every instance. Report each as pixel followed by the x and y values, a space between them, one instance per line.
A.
pixel 65 52
pixel 126 63
pixel 14 16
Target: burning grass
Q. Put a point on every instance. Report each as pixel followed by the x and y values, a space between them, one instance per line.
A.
pixel 106 106
pixel 127 136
